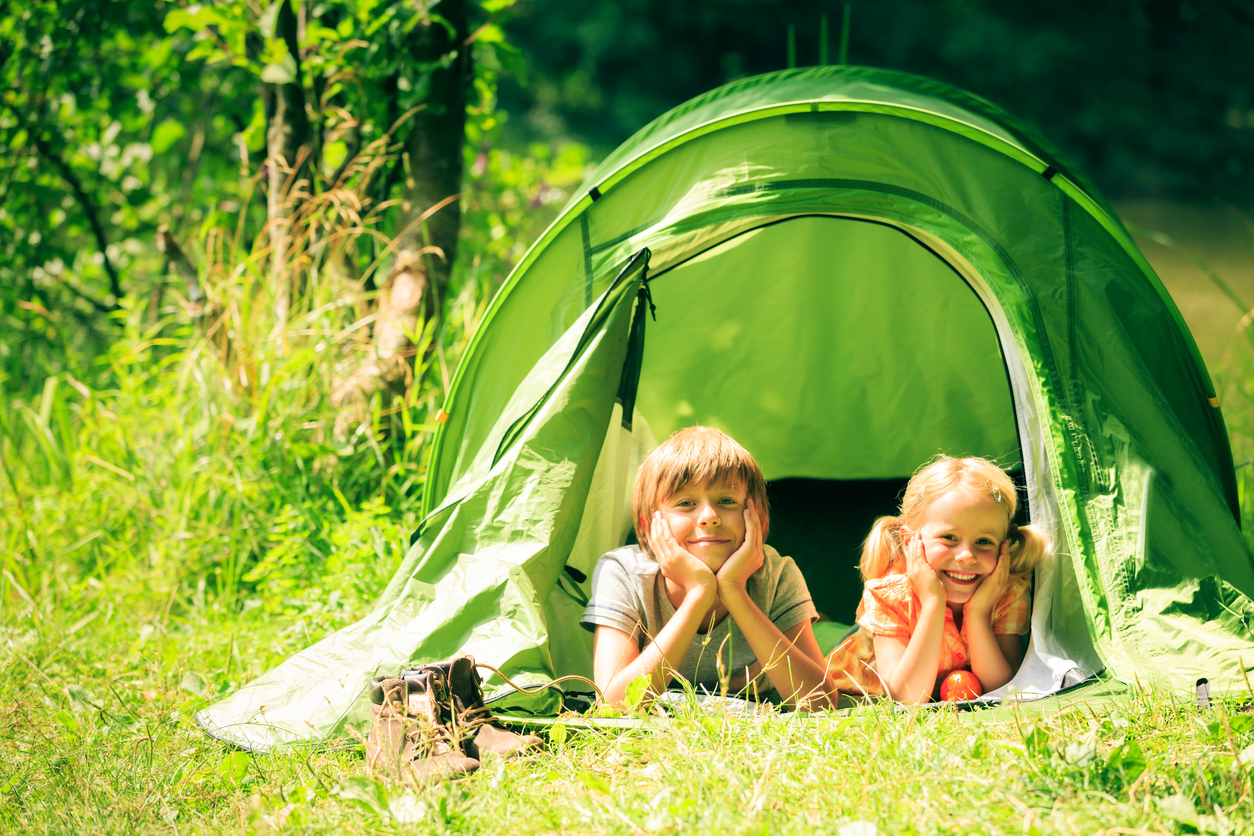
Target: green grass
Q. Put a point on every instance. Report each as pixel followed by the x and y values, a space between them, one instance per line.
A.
pixel 95 737
pixel 175 519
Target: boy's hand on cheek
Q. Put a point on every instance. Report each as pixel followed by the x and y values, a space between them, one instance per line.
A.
pixel 676 563
pixel 748 558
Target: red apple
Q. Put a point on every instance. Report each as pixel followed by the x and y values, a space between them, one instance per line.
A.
pixel 961 685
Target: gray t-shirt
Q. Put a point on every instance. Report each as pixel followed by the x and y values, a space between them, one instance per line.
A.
pixel 629 593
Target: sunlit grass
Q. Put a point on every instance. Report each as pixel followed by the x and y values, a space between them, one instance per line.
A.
pixel 182 520
pixel 96 737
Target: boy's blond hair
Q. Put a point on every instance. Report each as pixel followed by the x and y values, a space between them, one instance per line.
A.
pixel 701 456
pixel 882 553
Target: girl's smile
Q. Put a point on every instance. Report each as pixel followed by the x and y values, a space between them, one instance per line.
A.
pixel 962 536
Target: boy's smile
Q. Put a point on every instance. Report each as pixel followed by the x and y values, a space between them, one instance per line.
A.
pixel 708 521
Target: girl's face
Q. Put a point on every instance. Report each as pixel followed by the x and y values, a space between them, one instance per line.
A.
pixel 707 520
pixel 962 536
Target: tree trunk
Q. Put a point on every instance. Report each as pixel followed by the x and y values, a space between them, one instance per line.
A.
pixel 288 130
pixel 399 315
pixel 434 147
pixel 425 247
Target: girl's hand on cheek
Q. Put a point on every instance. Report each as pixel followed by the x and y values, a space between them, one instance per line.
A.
pixel 676 563
pixel 923 578
pixel 994 585
pixel 748 558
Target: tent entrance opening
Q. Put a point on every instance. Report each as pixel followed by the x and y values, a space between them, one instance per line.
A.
pixel 842 354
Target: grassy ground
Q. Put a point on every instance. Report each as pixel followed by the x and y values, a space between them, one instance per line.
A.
pixel 95 738
pixel 176 519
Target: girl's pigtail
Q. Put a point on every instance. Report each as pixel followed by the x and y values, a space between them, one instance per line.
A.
pixel 1028 547
pixel 881 549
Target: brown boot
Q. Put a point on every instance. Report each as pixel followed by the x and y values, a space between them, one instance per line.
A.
pixel 387 737
pixel 408 738
pixel 435 749
pixel 488 734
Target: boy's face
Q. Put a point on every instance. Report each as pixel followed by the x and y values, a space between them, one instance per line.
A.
pixel 708 521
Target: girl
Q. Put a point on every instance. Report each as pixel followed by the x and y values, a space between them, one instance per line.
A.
pixel 946 586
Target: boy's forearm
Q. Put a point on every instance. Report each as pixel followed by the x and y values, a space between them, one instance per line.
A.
pixel 988 663
pixel 914 677
pixel 796 676
pixel 662 656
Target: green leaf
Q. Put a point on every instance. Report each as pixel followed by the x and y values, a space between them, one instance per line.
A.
pixel 1131 760
pixel 193 683
pixel 68 720
pixel 234 766
pixel 269 19
pixel 557 735
pixel 81 699
pixel 512 61
pixel 333 155
pixel 283 72
pixel 594 782
pixel 195 20
pixel 490 33
pixel 1178 808
pixel 166 134
pixel 1036 741
pixel 365 792
pixel 637 690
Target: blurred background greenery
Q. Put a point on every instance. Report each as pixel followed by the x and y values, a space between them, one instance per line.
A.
pixel 201 204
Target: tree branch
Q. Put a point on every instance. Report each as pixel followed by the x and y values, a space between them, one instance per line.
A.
pixel 89 208
pixel 168 245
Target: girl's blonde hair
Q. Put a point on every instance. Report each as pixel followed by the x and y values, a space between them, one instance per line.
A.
pixel 882 551
pixel 700 456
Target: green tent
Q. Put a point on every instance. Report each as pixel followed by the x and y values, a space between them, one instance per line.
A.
pixel 852 270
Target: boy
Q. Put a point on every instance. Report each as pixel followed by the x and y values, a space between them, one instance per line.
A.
pixel 701 516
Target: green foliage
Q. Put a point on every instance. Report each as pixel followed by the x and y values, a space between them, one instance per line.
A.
pixel 1149 98
pixel 115 120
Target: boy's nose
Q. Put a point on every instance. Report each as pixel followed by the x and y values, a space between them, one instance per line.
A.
pixel 708 515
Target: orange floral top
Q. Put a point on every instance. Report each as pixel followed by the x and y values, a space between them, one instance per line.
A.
pixel 890 608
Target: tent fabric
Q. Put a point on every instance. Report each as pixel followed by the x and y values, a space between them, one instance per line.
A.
pixel 469 583
pixel 852 270
pixel 1125 454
